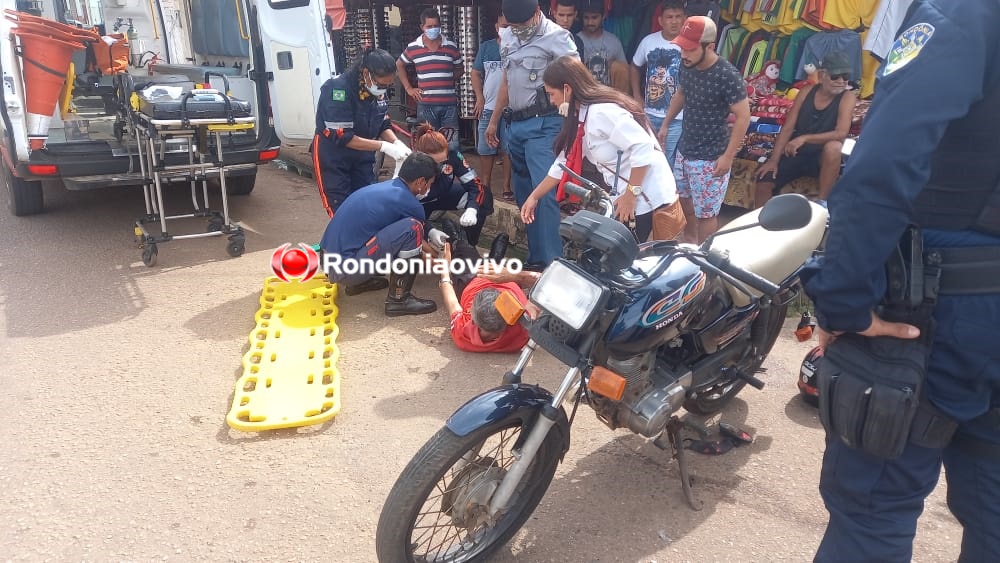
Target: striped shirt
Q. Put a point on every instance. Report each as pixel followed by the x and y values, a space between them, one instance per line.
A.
pixel 435 70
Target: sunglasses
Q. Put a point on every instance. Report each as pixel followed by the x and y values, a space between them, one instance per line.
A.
pixel 846 77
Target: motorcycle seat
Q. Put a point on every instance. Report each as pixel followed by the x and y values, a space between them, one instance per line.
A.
pixel 772 255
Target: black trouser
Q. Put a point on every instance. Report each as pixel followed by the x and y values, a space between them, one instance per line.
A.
pixel 340 172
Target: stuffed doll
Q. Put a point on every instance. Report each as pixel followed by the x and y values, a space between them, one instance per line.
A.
pixel 764 82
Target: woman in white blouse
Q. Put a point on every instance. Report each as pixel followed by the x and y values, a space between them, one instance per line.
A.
pixel 612 122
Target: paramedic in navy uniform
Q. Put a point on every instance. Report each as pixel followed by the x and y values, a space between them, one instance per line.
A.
pixel 351 126
pixel 527 46
pixel 929 154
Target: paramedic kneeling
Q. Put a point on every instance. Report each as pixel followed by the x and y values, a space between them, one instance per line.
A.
pixel 929 157
pixel 384 222
pixel 351 126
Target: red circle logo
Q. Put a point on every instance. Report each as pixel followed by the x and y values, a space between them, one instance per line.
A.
pixel 301 262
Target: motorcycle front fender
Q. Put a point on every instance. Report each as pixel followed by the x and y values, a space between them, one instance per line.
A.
pixel 517 401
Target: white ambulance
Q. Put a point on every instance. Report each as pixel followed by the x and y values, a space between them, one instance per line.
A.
pixel 274 54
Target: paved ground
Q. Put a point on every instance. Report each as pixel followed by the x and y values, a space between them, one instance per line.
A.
pixel 117 379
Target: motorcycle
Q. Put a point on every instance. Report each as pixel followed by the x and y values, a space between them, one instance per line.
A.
pixel 644 330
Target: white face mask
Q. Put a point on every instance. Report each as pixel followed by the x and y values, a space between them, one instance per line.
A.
pixel 374 89
pixel 564 107
pixel 433 33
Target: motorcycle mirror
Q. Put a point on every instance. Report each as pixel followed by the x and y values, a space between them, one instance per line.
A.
pixel 785 213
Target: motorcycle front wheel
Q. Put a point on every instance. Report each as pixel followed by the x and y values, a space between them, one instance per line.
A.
pixel 438 510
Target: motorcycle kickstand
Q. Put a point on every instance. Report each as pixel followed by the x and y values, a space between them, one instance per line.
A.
pixel 673 433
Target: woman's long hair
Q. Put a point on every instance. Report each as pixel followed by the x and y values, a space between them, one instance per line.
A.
pixel 586 91
pixel 427 140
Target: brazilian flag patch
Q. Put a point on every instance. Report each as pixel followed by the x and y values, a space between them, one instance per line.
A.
pixel 339 95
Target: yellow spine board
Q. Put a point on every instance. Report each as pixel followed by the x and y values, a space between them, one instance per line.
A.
pixel 290 375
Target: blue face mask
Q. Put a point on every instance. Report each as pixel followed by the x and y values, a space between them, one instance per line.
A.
pixel 433 33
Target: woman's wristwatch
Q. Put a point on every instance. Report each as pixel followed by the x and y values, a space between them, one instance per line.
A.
pixel 636 190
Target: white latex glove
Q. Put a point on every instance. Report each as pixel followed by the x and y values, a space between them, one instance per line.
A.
pixel 402 146
pixel 392 151
pixel 469 217
pixel 437 238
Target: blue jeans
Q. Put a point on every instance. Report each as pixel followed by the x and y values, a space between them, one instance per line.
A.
pixel 529 144
pixel 440 117
pixel 673 135
pixel 482 147
pixel 874 504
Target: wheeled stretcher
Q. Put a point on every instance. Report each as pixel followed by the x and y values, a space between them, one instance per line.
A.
pixel 166 124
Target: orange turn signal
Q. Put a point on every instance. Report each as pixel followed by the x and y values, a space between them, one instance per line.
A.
pixel 606 382
pixel 509 307
pixel 804 333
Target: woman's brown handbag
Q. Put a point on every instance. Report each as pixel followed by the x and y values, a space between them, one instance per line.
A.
pixel 668 221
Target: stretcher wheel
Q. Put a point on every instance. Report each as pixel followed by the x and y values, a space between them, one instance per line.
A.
pixel 149 255
pixel 235 248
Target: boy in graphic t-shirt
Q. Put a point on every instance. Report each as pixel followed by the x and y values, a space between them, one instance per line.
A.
pixel 661 61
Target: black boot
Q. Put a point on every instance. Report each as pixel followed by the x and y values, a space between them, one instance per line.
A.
pixel 499 247
pixel 370 284
pixel 454 232
pixel 401 302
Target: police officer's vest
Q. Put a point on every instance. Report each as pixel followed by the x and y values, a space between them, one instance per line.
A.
pixel 964 188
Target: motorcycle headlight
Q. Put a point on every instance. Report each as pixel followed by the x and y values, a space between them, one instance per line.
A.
pixel 569 295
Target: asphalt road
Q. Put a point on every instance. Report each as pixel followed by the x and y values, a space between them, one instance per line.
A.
pixel 117 378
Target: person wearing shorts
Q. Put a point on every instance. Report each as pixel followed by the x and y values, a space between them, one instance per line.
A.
pixel 709 89
pixel 487 73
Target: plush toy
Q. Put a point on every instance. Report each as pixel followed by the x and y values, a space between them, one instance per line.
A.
pixel 764 82
pixel 812 77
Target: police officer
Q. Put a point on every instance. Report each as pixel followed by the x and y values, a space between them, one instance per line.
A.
pixel 351 125
pixel 928 155
pixel 528 45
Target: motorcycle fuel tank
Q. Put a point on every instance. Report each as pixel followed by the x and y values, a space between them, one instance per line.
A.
pixel 682 298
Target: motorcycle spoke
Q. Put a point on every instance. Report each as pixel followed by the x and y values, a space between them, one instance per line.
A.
pixel 435 534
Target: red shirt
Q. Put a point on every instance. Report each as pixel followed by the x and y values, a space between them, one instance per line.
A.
pixel 466 334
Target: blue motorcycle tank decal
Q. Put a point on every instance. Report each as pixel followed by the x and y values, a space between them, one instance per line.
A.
pixel 665 308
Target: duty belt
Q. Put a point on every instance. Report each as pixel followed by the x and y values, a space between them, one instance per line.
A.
pixel 528 113
pixel 970 270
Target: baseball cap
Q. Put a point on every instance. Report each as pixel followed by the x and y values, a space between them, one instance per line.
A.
pixel 519 11
pixel 836 63
pixel 696 30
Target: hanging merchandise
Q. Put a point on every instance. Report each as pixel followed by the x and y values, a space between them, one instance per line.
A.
pixel 467 26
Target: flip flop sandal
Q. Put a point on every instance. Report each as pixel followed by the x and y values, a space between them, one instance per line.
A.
pixel 508 196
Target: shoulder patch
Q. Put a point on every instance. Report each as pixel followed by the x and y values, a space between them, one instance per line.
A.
pixel 338 95
pixel 907 47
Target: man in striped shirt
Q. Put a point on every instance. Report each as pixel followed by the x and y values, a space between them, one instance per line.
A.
pixel 439 65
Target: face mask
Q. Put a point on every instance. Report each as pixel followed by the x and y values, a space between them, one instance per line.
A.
pixel 433 33
pixel 421 195
pixel 524 32
pixel 375 89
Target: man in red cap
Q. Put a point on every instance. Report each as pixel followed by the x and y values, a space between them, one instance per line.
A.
pixel 709 89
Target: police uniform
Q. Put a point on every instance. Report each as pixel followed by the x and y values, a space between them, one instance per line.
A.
pixel 345 109
pixel 533 125
pixel 929 155
pixel 457 186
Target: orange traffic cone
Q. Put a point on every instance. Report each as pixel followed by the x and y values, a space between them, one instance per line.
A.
pixel 59 33
pixel 22 17
pixel 46 61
